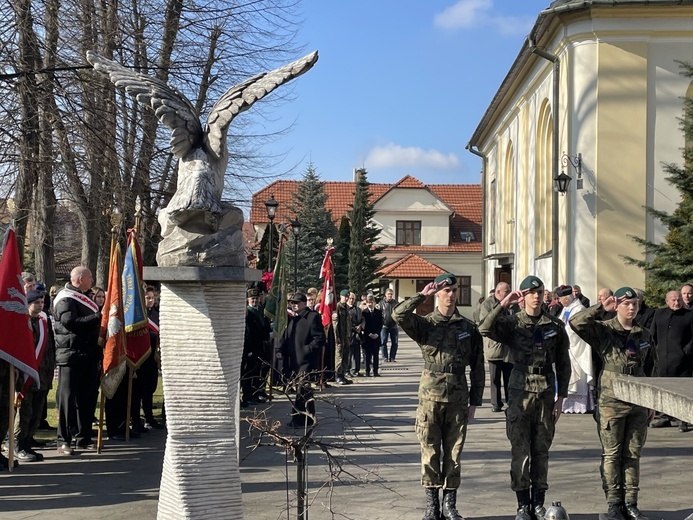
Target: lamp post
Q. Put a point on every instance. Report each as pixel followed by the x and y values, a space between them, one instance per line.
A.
pixel 296 230
pixel 271 206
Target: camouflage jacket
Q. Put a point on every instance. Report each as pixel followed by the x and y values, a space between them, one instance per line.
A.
pixel 495 350
pixel 451 345
pixel 533 346
pixel 631 351
pixel 342 324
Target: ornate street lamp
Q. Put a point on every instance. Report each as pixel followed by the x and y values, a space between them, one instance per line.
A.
pixel 271 206
pixel 296 230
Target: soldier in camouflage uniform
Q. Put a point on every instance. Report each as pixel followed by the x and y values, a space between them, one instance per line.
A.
pixel 341 323
pixel 624 348
pixel 449 343
pixel 537 340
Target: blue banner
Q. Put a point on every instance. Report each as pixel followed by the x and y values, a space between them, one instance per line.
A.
pixel 134 309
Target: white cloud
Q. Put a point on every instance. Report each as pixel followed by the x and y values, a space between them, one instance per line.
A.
pixel 469 14
pixel 465 14
pixel 396 156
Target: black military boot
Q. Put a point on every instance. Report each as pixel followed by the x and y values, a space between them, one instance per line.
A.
pixel 432 504
pixel 450 505
pixel 538 503
pixel 615 512
pixel 631 512
pixel 524 506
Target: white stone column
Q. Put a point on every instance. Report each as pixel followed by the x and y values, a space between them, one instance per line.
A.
pixel 202 321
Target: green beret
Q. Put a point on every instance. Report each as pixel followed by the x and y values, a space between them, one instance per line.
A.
pixel 253 292
pixel 446 279
pixel 626 293
pixel 531 283
pixel 344 292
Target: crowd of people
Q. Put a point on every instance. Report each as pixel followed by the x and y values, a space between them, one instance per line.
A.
pixel 355 341
pixel 66 322
pixel 548 353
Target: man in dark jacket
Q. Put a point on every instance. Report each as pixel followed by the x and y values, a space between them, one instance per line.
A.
pixel 257 332
pixel 672 333
pixel 373 319
pixel 77 354
pixel 300 349
pixel 389 329
pixel 577 292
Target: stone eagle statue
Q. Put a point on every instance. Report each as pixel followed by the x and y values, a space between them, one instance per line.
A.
pixel 195 223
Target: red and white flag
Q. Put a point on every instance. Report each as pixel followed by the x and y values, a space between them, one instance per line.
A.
pixel 328 304
pixel 16 337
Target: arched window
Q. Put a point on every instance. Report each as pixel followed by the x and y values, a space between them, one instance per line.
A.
pixel 542 181
pixel 508 204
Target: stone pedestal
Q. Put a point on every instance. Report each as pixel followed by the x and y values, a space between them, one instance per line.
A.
pixel 202 321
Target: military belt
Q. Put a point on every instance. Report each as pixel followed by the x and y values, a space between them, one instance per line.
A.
pixel 533 370
pixel 448 369
pixel 631 371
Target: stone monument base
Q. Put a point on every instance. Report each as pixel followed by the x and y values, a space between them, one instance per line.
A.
pixel 202 322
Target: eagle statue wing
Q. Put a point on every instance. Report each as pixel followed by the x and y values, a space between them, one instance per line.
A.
pixel 171 107
pixel 241 97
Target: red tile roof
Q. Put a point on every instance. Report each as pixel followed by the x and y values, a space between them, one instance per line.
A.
pixel 411 266
pixel 463 199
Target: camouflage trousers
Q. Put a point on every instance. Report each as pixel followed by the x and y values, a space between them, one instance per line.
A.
pixel 622 432
pixel 530 429
pixel 341 359
pixel 441 429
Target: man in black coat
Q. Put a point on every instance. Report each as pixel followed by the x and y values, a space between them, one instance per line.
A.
pixel 672 332
pixel 257 332
pixel 77 355
pixel 300 347
pixel 373 318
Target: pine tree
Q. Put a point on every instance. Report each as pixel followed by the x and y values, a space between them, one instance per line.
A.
pixel 341 255
pixel 672 260
pixel 264 252
pixel 308 203
pixel 364 259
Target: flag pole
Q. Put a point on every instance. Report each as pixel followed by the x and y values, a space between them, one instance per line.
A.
pixel 135 234
pixel 116 218
pixel 10 429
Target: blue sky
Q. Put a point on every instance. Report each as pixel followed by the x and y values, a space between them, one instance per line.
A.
pixel 400 85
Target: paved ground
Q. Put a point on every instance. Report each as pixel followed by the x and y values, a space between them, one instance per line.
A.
pixel 371 438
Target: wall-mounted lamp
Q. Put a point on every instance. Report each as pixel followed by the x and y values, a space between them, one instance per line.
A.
pixel 560 183
pixel 576 163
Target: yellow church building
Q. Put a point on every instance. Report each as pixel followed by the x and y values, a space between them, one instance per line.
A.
pixel 595 95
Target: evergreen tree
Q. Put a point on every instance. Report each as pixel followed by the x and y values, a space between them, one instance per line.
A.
pixel 364 259
pixel 341 255
pixel 264 248
pixel 672 260
pixel 308 204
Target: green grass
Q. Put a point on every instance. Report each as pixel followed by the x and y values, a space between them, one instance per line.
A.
pixel 49 435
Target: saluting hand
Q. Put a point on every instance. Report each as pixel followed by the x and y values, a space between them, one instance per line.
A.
pixel 610 304
pixel 513 297
pixel 432 288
